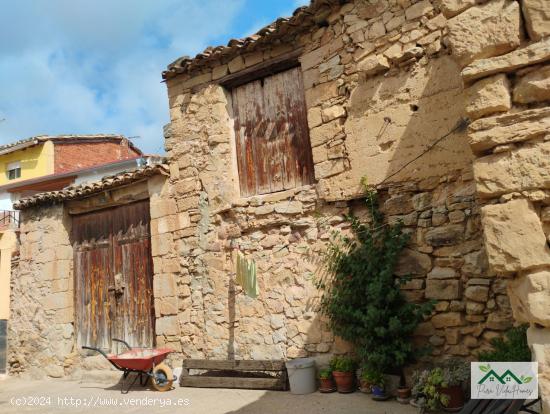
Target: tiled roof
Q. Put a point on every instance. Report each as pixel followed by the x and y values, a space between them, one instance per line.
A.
pixel 84 190
pixel 284 27
pixel 43 138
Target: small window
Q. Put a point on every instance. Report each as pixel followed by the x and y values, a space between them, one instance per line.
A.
pixel 272 135
pixel 13 170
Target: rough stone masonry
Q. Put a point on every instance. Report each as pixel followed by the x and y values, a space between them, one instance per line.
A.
pixel 383 80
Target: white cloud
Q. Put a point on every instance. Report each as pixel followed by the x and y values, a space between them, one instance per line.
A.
pixel 94 66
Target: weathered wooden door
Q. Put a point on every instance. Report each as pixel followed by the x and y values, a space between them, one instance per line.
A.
pixel 271 133
pixel 114 276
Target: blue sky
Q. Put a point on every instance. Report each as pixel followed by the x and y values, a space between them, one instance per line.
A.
pixel 79 66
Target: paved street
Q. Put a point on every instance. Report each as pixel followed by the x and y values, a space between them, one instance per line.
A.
pixel 62 396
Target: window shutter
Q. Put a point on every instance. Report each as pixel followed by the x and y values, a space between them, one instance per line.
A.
pixel 272 136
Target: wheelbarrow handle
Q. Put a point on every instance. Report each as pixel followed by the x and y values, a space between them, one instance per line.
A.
pixel 105 355
pixel 122 342
pixel 95 349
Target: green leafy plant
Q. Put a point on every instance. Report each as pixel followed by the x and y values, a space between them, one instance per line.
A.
pixel 427 386
pixel 368 374
pixel 372 376
pixel 377 378
pixel 429 382
pixel 342 364
pixel 512 348
pixel 362 297
pixel 325 373
pixel 455 372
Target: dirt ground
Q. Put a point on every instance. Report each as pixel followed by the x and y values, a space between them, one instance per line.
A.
pixel 63 396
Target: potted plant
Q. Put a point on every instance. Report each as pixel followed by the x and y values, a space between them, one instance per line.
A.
pixel 403 393
pixel 366 380
pixel 378 389
pixel 427 384
pixel 343 368
pixel 455 373
pixel 326 382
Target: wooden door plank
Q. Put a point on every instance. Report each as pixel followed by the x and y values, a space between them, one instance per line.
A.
pixel 298 143
pixel 295 105
pixel 274 115
pixel 256 128
pixel 247 179
pixel 288 90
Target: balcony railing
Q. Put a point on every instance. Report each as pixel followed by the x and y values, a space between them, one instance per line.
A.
pixel 9 219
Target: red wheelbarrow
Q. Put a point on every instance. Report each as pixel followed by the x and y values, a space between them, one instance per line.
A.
pixel 146 362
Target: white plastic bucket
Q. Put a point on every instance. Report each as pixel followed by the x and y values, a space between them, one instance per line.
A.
pixel 301 375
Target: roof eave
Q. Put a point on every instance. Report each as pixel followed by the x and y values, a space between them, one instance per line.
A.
pixel 20 146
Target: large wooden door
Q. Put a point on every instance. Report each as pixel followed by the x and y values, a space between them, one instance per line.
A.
pixel 271 133
pixel 114 276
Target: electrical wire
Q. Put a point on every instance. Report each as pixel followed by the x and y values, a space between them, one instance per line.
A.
pixel 461 125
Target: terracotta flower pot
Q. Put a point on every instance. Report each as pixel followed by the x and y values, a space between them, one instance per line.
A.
pixel 365 386
pixel 326 385
pixel 345 381
pixel 455 395
pixel 404 392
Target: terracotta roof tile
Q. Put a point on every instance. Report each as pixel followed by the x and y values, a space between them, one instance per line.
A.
pixel 84 190
pixel 301 20
pixel 70 137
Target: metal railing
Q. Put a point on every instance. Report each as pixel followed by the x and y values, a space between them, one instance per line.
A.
pixel 9 219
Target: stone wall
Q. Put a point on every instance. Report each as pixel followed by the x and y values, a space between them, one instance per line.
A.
pixel 380 88
pixel 505 68
pixel 8 260
pixel 41 330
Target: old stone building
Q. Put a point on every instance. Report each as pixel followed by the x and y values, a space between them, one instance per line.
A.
pixel 443 105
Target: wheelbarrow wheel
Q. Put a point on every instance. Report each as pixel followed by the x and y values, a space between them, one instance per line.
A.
pixel 162 378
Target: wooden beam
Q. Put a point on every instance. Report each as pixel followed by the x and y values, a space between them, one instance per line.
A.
pixel 278 64
pixel 107 199
pixel 236 365
pixel 233 382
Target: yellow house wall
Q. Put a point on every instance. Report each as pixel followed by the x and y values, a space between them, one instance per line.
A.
pixel 35 162
pixel 7 245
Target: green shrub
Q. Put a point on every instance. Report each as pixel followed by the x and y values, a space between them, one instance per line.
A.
pixel 342 364
pixel 363 299
pixel 368 374
pixel 512 348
